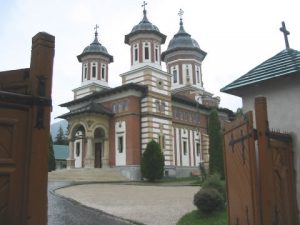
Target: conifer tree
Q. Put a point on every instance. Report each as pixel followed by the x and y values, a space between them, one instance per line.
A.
pixel 51 157
pixel 216 163
pixel 60 138
pixel 153 162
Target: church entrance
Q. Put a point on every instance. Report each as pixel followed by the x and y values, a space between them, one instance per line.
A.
pixel 98 155
pixel 99 135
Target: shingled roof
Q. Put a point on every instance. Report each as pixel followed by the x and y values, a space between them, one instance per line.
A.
pixel 91 107
pixel 284 63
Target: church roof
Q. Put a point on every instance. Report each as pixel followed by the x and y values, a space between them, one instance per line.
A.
pixel 91 107
pixel 182 41
pixel 284 63
pixel 187 101
pixel 106 92
pixel 95 48
pixel 145 26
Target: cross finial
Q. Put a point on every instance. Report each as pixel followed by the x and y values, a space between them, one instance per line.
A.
pixel 144 5
pixel 285 33
pixel 96 30
pixel 180 13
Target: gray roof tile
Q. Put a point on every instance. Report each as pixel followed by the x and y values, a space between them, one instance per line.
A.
pixel 284 63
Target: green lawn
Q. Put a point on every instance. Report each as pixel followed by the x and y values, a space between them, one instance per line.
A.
pixel 195 218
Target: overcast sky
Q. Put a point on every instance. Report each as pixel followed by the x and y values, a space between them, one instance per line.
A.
pixel 237 35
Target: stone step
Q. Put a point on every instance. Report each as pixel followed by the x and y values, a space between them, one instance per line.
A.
pixel 87 175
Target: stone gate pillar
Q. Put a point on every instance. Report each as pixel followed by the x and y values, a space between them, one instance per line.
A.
pixel 89 161
pixel 71 159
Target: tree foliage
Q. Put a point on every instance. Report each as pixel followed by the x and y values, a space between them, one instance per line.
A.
pixel 51 157
pixel 153 162
pixel 216 161
pixel 61 138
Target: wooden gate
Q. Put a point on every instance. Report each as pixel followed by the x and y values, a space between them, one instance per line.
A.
pixel 259 172
pixel 25 104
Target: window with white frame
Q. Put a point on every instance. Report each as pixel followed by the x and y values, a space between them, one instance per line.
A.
pixel 187 72
pixel 135 53
pixel 198 148
pixel 184 146
pixel 84 71
pixel 161 140
pixel 174 75
pixel 120 144
pixel 156 53
pixel 94 70
pixel 103 72
pixel 198 74
pixel 146 51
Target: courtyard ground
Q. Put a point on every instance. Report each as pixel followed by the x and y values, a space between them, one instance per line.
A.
pixel 146 204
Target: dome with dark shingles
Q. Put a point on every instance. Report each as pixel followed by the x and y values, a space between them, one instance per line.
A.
pixel 95 48
pixel 145 26
pixel 182 41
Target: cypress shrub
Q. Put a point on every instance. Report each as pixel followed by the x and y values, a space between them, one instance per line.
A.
pixel 216 163
pixel 153 162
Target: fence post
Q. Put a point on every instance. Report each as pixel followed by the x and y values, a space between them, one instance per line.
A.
pixel 266 187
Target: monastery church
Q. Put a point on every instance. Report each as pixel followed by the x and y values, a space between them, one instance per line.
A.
pixel 110 127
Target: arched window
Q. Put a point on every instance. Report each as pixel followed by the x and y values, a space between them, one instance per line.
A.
pixel 84 71
pixel 103 71
pixel 156 53
pixel 174 75
pixel 94 70
pixel 198 74
pixel 146 52
pixel 135 52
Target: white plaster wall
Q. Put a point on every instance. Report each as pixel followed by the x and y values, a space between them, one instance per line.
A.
pixel 120 129
pixel 283 102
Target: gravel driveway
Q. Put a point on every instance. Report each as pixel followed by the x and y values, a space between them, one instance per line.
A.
pixel 151 205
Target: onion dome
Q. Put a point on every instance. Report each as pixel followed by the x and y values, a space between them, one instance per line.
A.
pixel 145 26
pixel 95 48
pixel 182 41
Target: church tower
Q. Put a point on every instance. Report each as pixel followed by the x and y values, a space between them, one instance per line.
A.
pixel 184 60
pixel 145 42
pixel 95 60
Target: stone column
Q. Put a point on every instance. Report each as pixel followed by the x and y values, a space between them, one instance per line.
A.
pixel 89 161
pixel 71 159
pixel 105 158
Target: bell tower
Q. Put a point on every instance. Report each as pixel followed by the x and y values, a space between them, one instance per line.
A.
pixel 95 60
pixel 145 41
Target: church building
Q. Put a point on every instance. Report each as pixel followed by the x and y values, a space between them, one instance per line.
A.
pixel 110 127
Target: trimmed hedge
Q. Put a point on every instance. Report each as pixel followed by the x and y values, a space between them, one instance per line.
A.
pixel 209 200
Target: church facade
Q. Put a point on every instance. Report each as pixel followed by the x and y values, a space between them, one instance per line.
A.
pixel 110 127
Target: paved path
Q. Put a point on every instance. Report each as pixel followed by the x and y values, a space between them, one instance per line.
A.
pixel 65 212
pixel 151 205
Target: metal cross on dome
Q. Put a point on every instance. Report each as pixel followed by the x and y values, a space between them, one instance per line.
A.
pixel 144 5
pixel 285 33
pixel 96 29
pixel 180 13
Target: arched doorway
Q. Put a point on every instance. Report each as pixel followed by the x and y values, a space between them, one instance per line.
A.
pixel 99 135
pixel 79 145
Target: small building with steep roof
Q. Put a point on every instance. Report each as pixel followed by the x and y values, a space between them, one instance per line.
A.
pixel 277 79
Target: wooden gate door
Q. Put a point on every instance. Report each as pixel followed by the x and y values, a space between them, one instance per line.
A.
pixel 260 173
pixel 276 172
pixel 25 104
pixel 241 176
